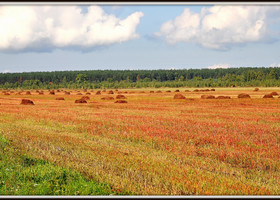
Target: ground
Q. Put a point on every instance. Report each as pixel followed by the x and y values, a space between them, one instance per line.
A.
pixel 154 144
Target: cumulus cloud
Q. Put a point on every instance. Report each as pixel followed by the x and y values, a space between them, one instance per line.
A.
pixel 218 27
pixel 36 28
pixel 223 66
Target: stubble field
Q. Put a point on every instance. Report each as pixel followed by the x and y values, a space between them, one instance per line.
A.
pixel 153 144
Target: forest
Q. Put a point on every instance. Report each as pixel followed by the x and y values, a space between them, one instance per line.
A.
pixel 91 79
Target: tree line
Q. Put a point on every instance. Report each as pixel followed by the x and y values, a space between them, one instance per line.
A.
pixel 91 79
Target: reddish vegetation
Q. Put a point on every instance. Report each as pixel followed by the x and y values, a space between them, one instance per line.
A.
pixel 152 92
pixel 168 91
pixel 28 93
pixel 98 92
pixel 60 98
pixel 142 92
pixel 177 90
pixel 103 90
pixel 196 90
pixel 213 89
pixel 110 92
pixel 207 97
pixel 223 97
pixel 243 96
pixel 268 96
pixel 26 102
pixel 88 93
pixel 79 93
pixel 120 96
pixel 158 91
pixel 187 91
pixel 120 101
pixel 107 98
pixel 67 93
pixel 6 93
pixel 179 96
pixel 256 89
pixel 80 101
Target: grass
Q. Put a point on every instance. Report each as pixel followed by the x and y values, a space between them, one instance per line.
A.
pixel 21 174
pixel 153 145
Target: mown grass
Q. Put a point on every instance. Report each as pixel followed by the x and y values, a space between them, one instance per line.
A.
pixel 21 174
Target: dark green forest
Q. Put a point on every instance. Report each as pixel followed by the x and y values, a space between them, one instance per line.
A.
pixel 91 79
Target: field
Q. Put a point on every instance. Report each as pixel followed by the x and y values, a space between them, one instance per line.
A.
pixel 151 145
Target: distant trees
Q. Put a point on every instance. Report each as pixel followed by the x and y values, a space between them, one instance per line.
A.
pixel 143 78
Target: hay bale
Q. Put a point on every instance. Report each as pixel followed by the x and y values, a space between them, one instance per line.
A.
pixel 67 93
pixel 52 92
pixel 244 96
pixel 120 96
pixel 120 101
pixel 168 91
pixel 125 92
pixel 179 96
pixel 268 96
pixel 152 92
pixel 85 98
pixel 85 90
pixel 207 90
pixel 223 97
pixel 88 93
pixel 57 90
pixel 80 101
pixel 28 93
pixel 26 102
pixel 177 90
pixel 59 98
pixel 212 89
pixel 274 93
pixel 196 90
pixel 107 98
pixel 110 92
pixel 207 96
pixel 256 89
pixel 98 92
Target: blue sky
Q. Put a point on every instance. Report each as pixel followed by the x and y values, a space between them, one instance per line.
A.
pixel 138 37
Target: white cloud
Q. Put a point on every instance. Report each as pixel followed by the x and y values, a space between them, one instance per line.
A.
pixel 218 27
pixel 274 65
pixel 223 66
pixel 6 71
pixel 35 28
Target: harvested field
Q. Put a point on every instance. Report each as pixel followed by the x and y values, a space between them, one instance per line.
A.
pixel 154 145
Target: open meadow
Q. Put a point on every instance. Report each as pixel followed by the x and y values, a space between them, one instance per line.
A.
pixel 151 145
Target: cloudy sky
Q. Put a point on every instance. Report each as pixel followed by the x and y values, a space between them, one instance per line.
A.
pixel 69 37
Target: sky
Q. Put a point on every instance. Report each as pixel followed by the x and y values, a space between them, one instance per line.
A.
pixel 121 37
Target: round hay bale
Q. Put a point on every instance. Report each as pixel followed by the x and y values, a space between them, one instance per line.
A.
pixel 98 92
pixel 107 98
pixel 274 93
pixel 152 92
pixel 110 92
pixel 85 90
pixel 256 89
pixel 196 90
pixel 179 96
pixel 212 89
pixel 244 96
pixel 177 90
pixel 67 93
pixel 57 90
pixel 125 92
pixel 120 101
pixel 268 96
pixel 168 91
pixel 28 93
pixel 207 96
pixel 207 90
pixel 85 98
pixel 52 92
pixel 59 98
pixel 223 97
pixel 80 101
pixel 120 96
pixel 88 93
pixel 26 102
